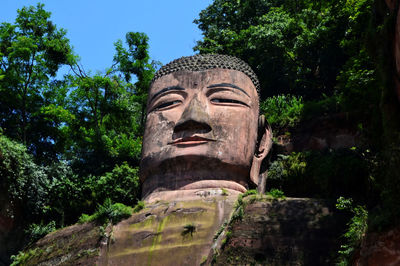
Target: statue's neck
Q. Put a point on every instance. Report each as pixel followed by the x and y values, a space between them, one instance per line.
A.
pixel 191 175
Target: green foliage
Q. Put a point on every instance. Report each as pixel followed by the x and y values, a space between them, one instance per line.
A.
pixel 357 81
pixel 295 47
pixel 239 201
pixel 22 179
pixel 224 192
pixel 357 227
pixel 105 131
pixel 108 212
pixel 107 111
pixel 82 135
pixel 226 239
pixel 22 257
pixel 276 193
pixel 283 110
pixel 37 231
pixel 287 166
pixel 31 52
pixel 237 214
pixel 140 205
pixel 220 230
pixel 120 185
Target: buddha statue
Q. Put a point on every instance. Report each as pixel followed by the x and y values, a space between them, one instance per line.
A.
pixel 203 131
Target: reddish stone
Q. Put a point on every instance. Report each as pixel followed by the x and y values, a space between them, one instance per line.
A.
pixel 201 132
pixel 380 249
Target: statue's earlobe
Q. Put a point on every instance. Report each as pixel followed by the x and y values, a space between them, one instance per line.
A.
pixel 264 145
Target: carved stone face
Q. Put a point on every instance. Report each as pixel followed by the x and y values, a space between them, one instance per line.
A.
pixel 201 131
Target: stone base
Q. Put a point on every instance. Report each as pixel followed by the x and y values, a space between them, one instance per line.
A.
pixel 294 231
pixel 177 232
pixel 261 231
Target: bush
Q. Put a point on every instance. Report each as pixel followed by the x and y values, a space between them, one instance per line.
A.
pixel 276 194
pixel 108 212
pixel 357 227
pixel 24 180
pixel 66 200
pixel 37 231
pixel 23 257
pixel 286 167
pixel 120 185
pixel 282 111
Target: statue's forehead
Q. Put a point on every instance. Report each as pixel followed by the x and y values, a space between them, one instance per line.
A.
pixel 198 79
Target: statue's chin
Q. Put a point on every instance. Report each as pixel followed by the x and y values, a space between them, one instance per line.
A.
pixel 191 194
pixel 204 184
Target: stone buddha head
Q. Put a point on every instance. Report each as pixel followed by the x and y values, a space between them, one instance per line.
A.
pixel 203 129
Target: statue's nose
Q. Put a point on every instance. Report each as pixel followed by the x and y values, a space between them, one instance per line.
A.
pixel 194 117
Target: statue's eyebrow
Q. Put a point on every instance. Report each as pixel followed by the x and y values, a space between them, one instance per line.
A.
pixel 167 89
pixel 233 86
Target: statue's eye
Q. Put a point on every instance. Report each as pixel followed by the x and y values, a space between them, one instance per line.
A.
pixel 220 100
pixel 166 104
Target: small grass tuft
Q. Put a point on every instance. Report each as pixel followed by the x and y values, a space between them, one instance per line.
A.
pixel 139 206
pixel 276 194
pixel 189 229
pixel 108 212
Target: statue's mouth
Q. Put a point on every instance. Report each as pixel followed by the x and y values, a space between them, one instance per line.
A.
pixel 192 140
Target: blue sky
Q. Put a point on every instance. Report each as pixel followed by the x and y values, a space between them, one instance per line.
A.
pixel 94 26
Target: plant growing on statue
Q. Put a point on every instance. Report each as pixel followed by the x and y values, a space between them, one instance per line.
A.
pixel 189 229
pixel 357 227
pixel 140 205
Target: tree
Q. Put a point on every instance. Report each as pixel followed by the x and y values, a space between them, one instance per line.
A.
pixel 109 109
pixel 31 52
pixel 295 47
pixel 135 60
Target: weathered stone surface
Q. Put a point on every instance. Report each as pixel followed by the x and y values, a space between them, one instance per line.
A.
pixel 271 232
pixel 154 236
pixel 203 129
pixel 380 249
pixel 286 232
pixel 157 235
pixel 74 245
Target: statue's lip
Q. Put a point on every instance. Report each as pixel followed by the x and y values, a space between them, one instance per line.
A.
pixel 192 140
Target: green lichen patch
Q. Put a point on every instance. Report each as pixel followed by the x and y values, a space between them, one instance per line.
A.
pixel 72 245
pixel 184 229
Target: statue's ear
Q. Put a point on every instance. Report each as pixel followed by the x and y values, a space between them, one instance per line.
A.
pixel 264 145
